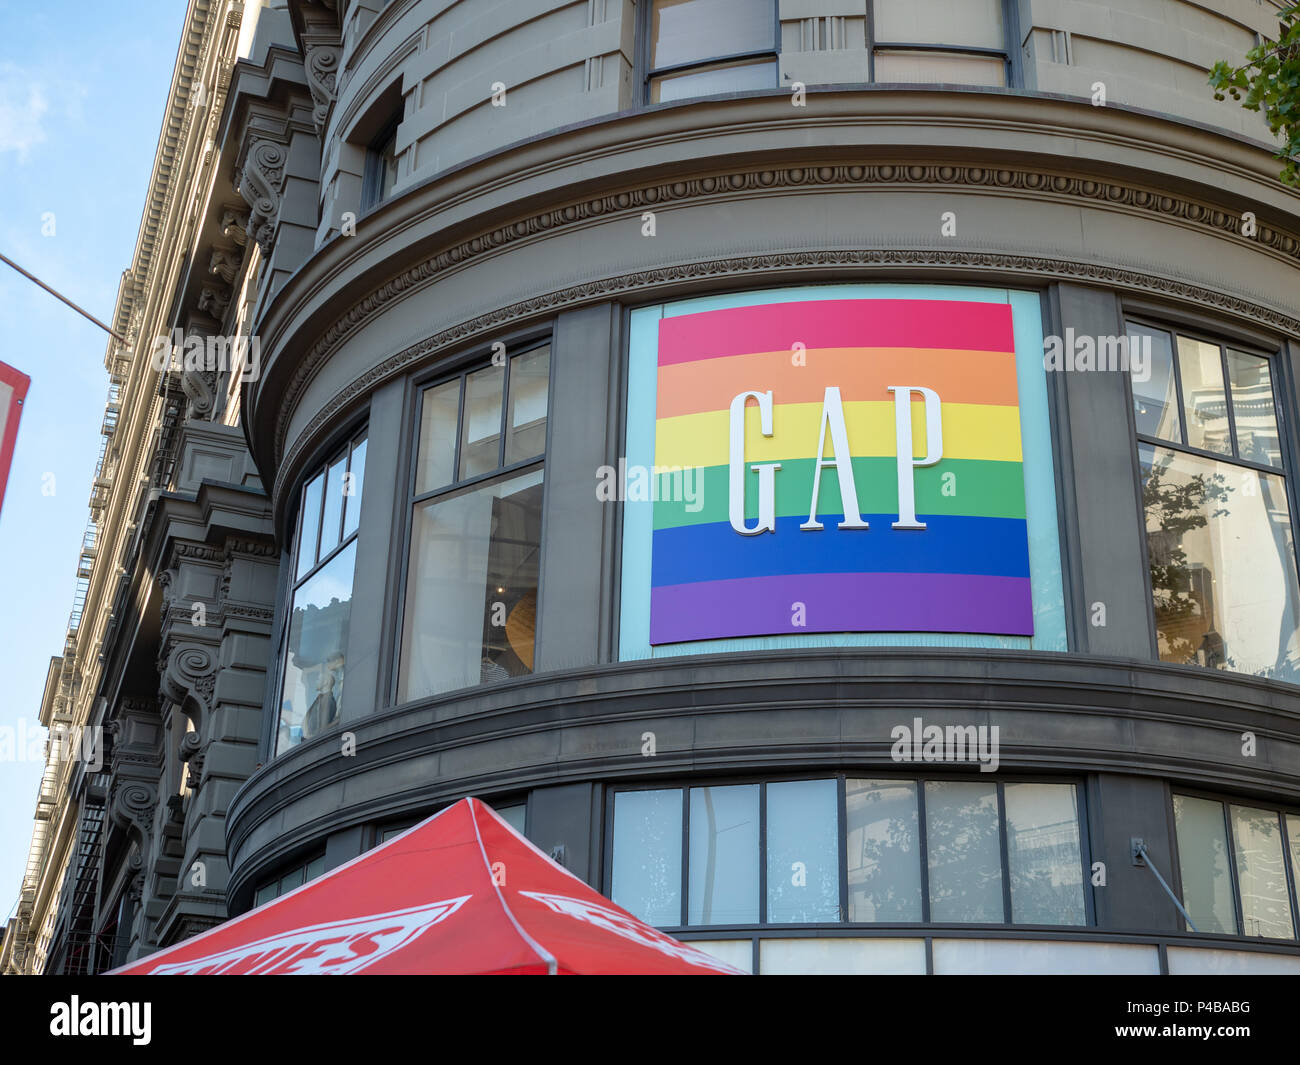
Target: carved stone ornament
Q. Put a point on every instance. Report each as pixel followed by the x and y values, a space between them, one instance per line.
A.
pixel 322 67
pixel 190 673
pixel 131 807
pixel 214 301
pixel 259 184
pixel 225 263
pixel 234 224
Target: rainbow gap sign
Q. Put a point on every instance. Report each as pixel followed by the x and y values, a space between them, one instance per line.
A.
pixel 861 471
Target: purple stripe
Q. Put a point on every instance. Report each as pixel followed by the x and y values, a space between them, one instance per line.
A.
pixel 842 602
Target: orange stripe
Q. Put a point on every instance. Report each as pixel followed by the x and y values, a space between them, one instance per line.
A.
pixel 861 374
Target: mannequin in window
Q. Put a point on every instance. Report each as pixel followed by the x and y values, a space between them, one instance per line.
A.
pixel 324 710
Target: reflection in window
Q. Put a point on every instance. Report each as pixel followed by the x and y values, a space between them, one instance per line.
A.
pixel 316 635
pixel 1220 544
pixel 929 42
pixel 476 528
pixel 963 849
pixel 1222 561
pixel 884 851
pixel 1233 859
pixel 724 855
pixel 803 881
pixel 797 844
pixel 647 874
pixel 1043 854
pixel 705 47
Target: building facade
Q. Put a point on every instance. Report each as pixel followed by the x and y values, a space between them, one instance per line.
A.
pixel 825 470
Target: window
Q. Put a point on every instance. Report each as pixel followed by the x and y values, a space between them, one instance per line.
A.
pixel 476 527
pixel 1239 865
pixel 294 878
pixel 513 814
pixel 950 851
pixel 704 47
pixel 939 42
pixel 1220 544
pixel 381 167
pixel 316 636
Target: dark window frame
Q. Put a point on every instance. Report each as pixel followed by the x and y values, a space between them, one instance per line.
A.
pixel 1009 53
pixel 1226 801
pixel 409 498
pixel 292 582
pixel 372 179
pixel 1279 375
pixel 278 879
pixel 644 28
pixel 919 779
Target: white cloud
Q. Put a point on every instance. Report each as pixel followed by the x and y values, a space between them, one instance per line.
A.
pixel 23 106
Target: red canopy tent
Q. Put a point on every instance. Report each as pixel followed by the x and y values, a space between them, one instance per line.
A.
pixel 462 892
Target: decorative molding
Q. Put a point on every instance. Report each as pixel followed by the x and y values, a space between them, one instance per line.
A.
pixel 225 263
pixel 1162 205
pixel 1028 266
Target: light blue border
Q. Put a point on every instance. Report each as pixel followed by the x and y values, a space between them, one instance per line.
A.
pixel 1036 443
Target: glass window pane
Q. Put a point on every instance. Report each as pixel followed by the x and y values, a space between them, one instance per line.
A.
pixel 743 76
pixel 471 597
pixel 1261 873
pixel 1222 558
pixel 1155 388
pixel 803 851
pixel 938 68
pixel 963 851
pixel 724 855
pixel 684 31
pixel 1253 408
pixel 352 488
pixel 1203 396
pixel 439 411
pixel 292 879
pixel 333 515
pixel 480 438
pixel 884 853
pixel 315 868
pixel 513 815
pixel 1203 863
pixel 266 893
pixel 310 532
pixel 974 23
pixel 526 419
pixel 647 874
pixel 1043 853
pixel 313 668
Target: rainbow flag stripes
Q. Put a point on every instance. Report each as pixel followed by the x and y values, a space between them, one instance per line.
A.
pixel 967 571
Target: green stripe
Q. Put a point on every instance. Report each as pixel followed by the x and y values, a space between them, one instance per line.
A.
pixel 974 487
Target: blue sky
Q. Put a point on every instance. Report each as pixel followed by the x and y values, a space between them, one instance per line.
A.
pixel 82 90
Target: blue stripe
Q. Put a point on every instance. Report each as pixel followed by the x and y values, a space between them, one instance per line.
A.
pixel 995 547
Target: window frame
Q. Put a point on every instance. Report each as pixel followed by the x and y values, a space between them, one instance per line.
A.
pixel 891 773
pixel 373 177
pixel 344 446
pixel 1009 53
pixel 459 370
pixel 645 24
pixel 1279 374
pixel 1226 802
pixel 278 878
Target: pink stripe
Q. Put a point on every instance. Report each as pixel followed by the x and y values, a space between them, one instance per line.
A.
pixel 951 324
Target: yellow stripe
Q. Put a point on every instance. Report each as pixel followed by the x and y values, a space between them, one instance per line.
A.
pixel 970 431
